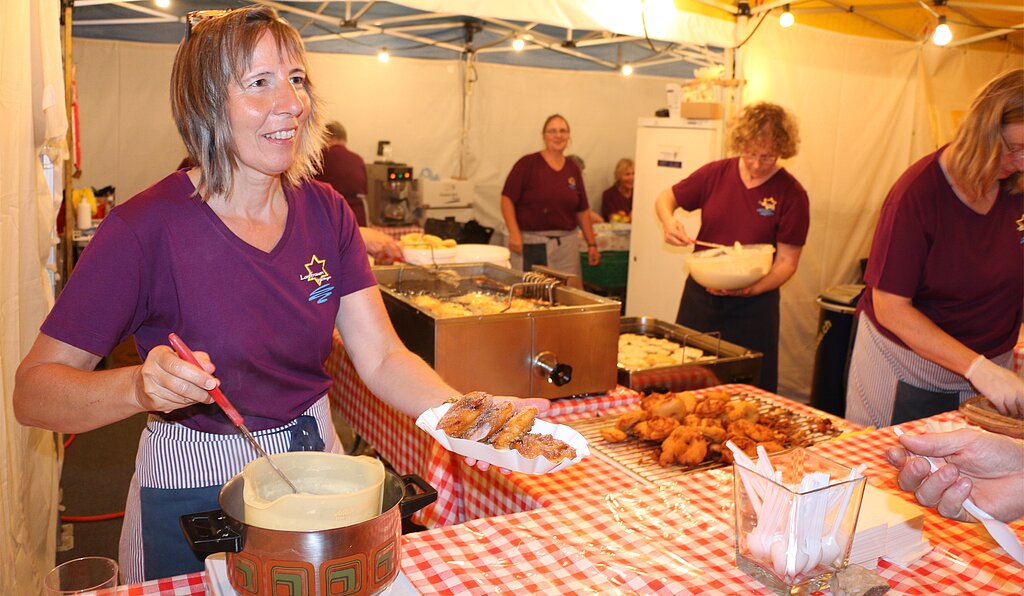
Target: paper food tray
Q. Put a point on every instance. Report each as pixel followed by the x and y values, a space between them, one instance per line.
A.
pixel 506 458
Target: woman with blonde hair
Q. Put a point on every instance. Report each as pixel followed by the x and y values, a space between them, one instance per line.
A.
pixel 945 275
pixel 751 199
pixel 247 259
pixel 618 198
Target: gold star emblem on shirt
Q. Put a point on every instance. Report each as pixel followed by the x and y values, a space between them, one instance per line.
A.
pixel 768 203
pixel 317 271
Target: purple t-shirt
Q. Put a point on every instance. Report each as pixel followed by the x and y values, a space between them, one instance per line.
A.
pixel 962 270
pixel 165 262
pixel 545 199
pixel 613 201
pixel 346 172
pixel 775 212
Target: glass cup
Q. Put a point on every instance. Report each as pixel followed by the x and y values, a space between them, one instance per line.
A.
pixel 795 523
pixel 77 576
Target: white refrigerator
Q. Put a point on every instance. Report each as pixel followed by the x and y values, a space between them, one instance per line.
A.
pixel 667 150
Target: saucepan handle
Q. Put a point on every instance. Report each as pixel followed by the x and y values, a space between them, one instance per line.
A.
pixel 210 532
pixel 418 494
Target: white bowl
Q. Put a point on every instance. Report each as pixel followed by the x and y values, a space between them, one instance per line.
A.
pixel 428 256
pixel 482 253
pixel 729 269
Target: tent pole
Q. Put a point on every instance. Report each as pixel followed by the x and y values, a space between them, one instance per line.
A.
pixel 69 164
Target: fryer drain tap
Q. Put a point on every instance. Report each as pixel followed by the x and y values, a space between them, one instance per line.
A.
pixel 546 364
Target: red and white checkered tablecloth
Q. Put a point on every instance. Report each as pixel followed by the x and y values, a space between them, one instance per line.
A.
pixel 398 440
pixel 674 538
pixel 179 585
pixel 396 232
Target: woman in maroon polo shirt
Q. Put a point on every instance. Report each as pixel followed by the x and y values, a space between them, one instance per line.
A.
pixel 945 276
pixel 618 198
pixel 749 199
pixel 543 202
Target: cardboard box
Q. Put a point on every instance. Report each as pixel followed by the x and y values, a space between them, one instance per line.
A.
pixel 445 193
pixel 700 111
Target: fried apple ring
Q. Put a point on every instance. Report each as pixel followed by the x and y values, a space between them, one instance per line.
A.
pixel 517 426
pixel 490 422
pixel 533 445
pixel 463 413
pixel 741 410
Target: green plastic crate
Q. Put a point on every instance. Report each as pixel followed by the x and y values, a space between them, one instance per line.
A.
pixel 611 273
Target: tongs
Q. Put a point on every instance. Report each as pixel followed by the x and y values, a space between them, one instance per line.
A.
pixel 218 396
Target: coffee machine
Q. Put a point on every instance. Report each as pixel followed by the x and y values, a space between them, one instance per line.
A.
pixel 390 200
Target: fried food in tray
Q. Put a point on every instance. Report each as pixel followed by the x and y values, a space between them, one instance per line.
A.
pixel 980 411
pixel 638 351
pixel 487 429
pixel 688 429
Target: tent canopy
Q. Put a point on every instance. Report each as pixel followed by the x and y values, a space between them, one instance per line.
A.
pixel 602 35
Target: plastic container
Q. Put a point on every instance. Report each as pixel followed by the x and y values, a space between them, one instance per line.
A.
pixel 729 269
pixel 336 490
pixel 429 256
pixel 482 253
pixel 612 272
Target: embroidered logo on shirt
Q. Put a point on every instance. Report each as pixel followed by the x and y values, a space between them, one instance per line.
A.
pixel 572 182
pixel 767 207
pixel 1020 228
pixel 316 272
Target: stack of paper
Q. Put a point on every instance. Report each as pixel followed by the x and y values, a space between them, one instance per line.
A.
pixel 888 526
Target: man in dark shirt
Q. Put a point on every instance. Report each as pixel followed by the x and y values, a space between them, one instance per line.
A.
pixel 344 170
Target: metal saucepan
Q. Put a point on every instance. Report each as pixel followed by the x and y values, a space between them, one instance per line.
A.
pixel 363 558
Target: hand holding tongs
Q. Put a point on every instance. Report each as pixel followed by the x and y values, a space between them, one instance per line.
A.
pixel 218 396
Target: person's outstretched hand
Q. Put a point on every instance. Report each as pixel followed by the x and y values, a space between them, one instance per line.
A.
pixel 984 466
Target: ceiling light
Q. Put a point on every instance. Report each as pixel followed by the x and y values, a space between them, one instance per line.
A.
pixel 942 35
pixel 518 44
pixel 626 70
pixel 786 19
pixel 383 55
pixel 163 3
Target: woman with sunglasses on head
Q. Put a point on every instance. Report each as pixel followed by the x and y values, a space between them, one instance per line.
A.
pixel 247 259
pixel 543 202
pixel 945 276
pixel 749 199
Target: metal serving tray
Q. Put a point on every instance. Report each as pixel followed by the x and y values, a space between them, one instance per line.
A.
pixel 731 363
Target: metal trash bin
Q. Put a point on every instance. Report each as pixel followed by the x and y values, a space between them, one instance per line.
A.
pixel 836 333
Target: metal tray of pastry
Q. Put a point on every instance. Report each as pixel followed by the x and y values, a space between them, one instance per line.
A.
pixel 980 411
pixel 639 457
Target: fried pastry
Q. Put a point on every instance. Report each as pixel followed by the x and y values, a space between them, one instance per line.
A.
pixel 673 405
pixel 685 446
pixel 517 426
pixel 613 435
pixel 741 410
pixel 532 445
pixel 490 422
pixel 627 421
pixel 463 413
pixel 655 428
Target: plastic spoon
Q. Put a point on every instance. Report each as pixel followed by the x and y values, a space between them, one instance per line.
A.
pixel 218 396
pixel 1001 532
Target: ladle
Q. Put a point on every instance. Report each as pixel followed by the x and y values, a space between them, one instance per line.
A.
pixel 222 401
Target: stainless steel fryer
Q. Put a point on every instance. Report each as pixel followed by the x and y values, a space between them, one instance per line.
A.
pixel 569 348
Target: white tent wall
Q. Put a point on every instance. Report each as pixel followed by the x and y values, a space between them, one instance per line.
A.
pixel 867 109
pixel 32 96
pixel 128 138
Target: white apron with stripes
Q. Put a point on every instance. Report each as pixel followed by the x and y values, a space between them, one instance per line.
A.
pixel 879 364
pixel 563 249
pixel 172 456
